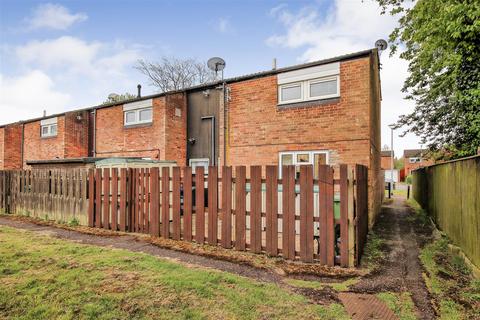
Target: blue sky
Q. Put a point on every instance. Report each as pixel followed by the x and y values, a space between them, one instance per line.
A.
pixel 64 55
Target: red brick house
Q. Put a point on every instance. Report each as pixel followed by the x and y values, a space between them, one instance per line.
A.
pixel 386 162
pixel 414 159
pixel 326 111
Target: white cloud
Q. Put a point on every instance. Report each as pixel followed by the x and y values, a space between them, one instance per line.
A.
pixel 76 56
pixel 66 73
pixel 346 27
pixel 53 16
pixel 26 96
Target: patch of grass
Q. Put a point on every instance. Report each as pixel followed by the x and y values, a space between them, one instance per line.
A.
pixel 400 303
pixel 47 278
pixel 74 222
pixel 456 293
pixel 337 286
pixel 421 216
pixel 373 253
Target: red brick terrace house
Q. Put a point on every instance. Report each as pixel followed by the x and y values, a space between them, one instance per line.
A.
pixel 326 111
pixel 414 159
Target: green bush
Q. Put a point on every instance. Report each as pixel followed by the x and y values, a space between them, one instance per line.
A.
pixel 408 179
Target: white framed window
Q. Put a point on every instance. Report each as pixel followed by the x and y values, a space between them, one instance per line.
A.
pixel 138 116
pixel 199 162
pixel 299 158
pixel 48 127
pixel 307 84
pixel 414 160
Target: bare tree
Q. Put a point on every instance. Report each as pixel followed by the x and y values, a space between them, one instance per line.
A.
pixel 175 74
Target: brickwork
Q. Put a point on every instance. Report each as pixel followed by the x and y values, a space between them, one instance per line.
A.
pixel 176 129
pixel 12 146
pixel 386 163
pixel 348 127
pixel 43 148
pixel 76 134
pixel 114 139
pixel 2 157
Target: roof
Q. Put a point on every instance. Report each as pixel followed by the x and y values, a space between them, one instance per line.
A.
pixel 414 153
pixel 345 57
pixel 387 153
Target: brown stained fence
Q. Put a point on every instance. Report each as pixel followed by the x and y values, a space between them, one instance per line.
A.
pixel 246 209
pixel 310 216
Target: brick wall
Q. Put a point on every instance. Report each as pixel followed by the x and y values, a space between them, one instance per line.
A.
pixel 386 163
pixel 176 129
pixel 348 127
pixel 12 146
pixel 2 157
pixel 163 139
pixel 43 148
pixel 76 134
pixel 113 139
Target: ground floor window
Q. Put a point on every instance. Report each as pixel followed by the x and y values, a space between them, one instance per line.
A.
pixel 299 158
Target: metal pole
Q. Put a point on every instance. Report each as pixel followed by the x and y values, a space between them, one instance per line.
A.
pixel 391 157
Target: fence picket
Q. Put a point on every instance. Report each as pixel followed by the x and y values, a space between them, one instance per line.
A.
pixel 106 198
pixel 272 210
pixel 344 215
pixel 306 213
pixel 256 209
pixel 227 207
pixel 288 213
pixel 199 205
pixel 154 209
pixel 212 183
pixel 187 203
pixel 240 208
pixel 165 203
pixel 98 198
pixel 176 222
pixel 114 200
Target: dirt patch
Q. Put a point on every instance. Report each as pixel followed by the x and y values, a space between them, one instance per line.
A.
pixel 401 270
pixel 366 306
pixel 324 296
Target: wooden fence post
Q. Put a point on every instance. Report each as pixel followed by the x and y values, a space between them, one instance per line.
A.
pixel 165 203
pixel 288 213
pixel 212 205
pixel 344 215
pixel 154 209
pixel 91 197
pixel 306 213
pixel 227 207
pixel 187 203
pixel 176 223
pixel 272 210
pixel 240 208
pixel 199 205
pixel 255 209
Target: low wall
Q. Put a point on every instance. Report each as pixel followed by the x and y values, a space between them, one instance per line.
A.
pixel 450 193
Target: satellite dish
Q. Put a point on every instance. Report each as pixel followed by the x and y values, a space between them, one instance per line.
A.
pixel 381 45
pixel 216 64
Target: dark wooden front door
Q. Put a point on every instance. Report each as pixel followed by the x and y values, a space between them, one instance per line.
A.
pixel 202 125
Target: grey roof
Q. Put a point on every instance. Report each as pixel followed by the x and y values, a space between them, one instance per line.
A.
pixel 414 153
pixel 387 153
pixel 216 83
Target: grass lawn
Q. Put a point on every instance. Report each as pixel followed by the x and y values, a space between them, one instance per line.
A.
pixel 46 278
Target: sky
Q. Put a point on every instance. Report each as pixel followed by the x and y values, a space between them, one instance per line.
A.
pixel 64 55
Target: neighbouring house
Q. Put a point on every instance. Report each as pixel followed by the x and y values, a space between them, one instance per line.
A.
pixel 415 158
pixel 326 111
pixel 386 162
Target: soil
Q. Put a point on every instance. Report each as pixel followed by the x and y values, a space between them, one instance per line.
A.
pixel 401 270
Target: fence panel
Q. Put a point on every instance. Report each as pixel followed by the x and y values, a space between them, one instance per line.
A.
pixel 269 212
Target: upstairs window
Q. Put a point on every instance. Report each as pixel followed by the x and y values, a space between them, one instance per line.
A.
pixel 48 128
pixel 414 160
pixel 308 84
pixel 139 112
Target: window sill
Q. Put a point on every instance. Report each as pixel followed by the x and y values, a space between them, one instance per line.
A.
pixel 138 125
pixel 48 137
pixel 308 104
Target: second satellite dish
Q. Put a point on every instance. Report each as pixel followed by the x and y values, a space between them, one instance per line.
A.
pixel 216 64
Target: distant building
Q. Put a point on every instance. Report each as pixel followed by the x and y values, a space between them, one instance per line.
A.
pixel 386 160
pixel 415 158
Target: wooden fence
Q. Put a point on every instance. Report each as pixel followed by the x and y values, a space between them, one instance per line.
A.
pixel 59 195
pixel 450 193
pixel 242 208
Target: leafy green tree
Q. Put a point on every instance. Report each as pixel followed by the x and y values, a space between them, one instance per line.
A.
pixel 441 42
pixel 398 163
pixel 119 97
